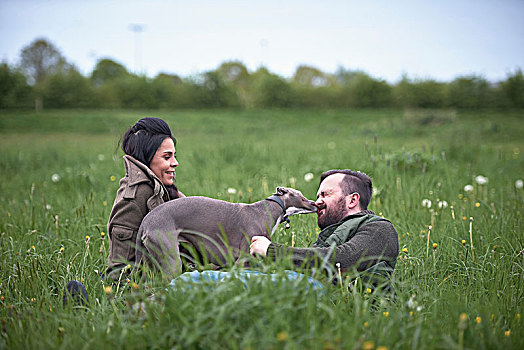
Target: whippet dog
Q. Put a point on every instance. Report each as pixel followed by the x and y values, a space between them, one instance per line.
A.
pixel 215 229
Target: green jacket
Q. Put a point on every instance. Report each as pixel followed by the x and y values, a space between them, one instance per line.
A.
pixel 363 241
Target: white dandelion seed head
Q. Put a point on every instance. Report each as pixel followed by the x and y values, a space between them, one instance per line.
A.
pixel 468 188
pixel 231 190
pixel 426 203
pixel 47 207
pixel 308 177
pixel 519 183
pixel 442 204
pixel 55 177
pixel 101 157
pixel 481 180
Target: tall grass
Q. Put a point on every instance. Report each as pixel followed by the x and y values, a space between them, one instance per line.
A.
pixel 60 172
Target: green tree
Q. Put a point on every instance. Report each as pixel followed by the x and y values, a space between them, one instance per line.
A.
pixel 68 90
pixel 420 93
pixel 38 60
pixel 470 92
pixel 269 90
pixel 14 90
pixel 513 89
pixel 107 70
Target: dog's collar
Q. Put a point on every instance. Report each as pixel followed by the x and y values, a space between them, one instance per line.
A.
pixel 277 199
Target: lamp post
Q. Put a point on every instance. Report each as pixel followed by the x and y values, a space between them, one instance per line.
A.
pixel 137 29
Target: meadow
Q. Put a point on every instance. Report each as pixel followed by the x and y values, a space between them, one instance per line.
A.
pixel 450 181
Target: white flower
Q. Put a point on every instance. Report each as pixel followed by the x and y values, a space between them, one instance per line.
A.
pixel 231 190
pixel 101 157
pixel 468 188
pixel 481 180
pixel 47 207
pixel 519 183
pixel 55 177
pixel 308 177
pixel 426 203
pixel 442 204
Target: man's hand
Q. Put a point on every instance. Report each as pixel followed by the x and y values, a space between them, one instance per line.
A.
pixel 259 245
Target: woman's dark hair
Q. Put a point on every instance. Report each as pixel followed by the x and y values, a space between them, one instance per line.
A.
pixel 142 140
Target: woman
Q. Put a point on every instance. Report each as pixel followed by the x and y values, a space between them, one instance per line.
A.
pixel 150 164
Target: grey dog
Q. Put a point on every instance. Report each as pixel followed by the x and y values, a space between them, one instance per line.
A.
pixel 215 229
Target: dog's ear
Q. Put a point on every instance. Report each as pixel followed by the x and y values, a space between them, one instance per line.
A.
pixel 281 191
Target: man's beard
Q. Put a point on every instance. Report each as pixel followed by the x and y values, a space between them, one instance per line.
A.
pixel 333 214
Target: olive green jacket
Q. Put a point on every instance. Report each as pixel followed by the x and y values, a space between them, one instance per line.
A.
pixel 360 241
pixel 140 191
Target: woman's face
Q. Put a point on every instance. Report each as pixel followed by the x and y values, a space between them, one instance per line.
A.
pixel 164 162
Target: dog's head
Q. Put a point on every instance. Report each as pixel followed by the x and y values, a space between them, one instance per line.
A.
pixel 295 202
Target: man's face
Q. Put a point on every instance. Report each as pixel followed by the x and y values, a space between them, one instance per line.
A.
pixel 331 201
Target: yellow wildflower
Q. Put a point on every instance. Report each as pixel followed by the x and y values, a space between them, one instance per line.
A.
pixel 108 289
pixel 507 333
pixel 477 204
pixel 463 242
pixel 368 290
pixel 382 347
pixel 386 313
pixel 435 245
pixel 463 317
pixel 368 345
pixel 366 324
pixel 478 320
pixel 405 250
pixel 282 336
pixel 112 178
pixel 518 317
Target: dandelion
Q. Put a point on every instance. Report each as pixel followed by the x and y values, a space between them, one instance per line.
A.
pixel 478 320
pixel 33 300
pixel 102 234
pixel 366 324
pixel 282 336
pixel 507 333
pixel 468 188
pixel 231 190
pixel 442 204
pixel 308 177
pixel 47 207
pixel 112 178
pixel 405 250
pixel 519 183
pixel 481 180
pixel 135 286
pixel 386 313
pixel 435 245
pixel 55 178
pixel 368 290
pixel 62 249
pixel 2 298
pixel 104 203
pixel 108 289
pixel 368 345
pixel 477 204
pixel 463 317
pixel 426 203
pixel 87 238
pixel 463 242
pixel 464 218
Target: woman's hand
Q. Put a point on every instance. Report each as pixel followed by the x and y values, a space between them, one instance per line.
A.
pixel 259 245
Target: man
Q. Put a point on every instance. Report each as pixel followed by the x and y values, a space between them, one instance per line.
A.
pixel 351 235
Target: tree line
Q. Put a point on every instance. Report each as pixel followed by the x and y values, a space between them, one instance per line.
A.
pixel 43 77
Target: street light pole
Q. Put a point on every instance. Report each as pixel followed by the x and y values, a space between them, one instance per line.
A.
pixel 137 29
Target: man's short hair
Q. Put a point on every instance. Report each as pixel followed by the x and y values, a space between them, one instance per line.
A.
pixel 354 181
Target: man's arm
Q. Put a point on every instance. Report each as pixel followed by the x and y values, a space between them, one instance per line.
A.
pixel 374 240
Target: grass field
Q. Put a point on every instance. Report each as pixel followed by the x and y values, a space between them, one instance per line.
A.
pixel 60 171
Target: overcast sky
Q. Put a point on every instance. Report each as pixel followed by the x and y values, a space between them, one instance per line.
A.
pixel 386 38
